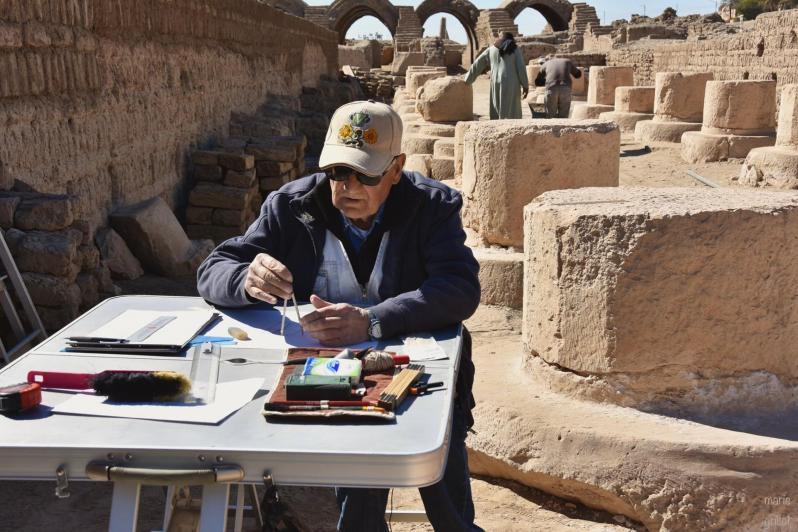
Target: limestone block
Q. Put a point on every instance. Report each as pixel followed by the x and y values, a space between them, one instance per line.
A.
pixel 418 162
pixel 198 215
pixel 407 106
pixel 587 111
pixel 626 121
pixel 154 235
pixel 54 253
pixel 775 166
pixel 444 148
pixel 8 205
pixel 634 99
pixel 459 135
pixel 441 168
pixel 417 79
pixel 244 179
pixel 89 257
pixel 413 144
pixel 89 290
pixel 501 276
pixel 680 97
pixel 603 82
pixel 117 256
pixel 220 196
pixel 402 60
pixel 236 161
pixel 532 71
pixel 429 128
pixel 272 152
pixel 579 86
pixel 272 168
pixel 633 287
pixel 508 163
pixel 648 131
pixel 446 99
pixel 206 157
pixel 267 184
pixel 51 291
pixel 44 212
pixel 700 147
pixel 787 131
pixel 740 107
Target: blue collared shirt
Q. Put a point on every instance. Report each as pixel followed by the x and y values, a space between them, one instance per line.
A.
pixel 357 235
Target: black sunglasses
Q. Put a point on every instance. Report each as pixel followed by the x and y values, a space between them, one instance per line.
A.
pixel 342 173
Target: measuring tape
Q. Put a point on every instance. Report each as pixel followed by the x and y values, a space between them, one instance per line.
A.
pixel 19 397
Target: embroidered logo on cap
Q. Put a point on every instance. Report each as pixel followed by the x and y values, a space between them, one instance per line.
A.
pixel 354 133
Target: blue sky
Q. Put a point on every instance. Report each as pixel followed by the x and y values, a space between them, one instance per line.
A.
pixel 530 21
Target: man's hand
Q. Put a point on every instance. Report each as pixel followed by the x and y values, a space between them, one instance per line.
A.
pixel 267 279
pixel 336 324
pixel 524 92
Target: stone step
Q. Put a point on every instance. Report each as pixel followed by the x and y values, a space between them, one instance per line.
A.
pixel 444 148
pixel 441 168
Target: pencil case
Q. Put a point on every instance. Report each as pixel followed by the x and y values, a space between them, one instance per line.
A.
pixel 317 388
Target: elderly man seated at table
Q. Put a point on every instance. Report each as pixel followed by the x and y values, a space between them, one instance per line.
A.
pixel 379 252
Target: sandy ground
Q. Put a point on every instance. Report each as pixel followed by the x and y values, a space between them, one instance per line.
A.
pixel 500 505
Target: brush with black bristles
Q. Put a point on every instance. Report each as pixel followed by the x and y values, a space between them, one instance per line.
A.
pixel 124 386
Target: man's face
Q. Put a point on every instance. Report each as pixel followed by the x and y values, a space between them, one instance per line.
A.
pixel 359 202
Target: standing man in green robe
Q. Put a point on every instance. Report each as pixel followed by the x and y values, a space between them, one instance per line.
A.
pixel 508 81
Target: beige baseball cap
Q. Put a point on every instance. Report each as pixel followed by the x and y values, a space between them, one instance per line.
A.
pixel 364 136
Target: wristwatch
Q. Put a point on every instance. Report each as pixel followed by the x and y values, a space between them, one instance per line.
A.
pixel 375 331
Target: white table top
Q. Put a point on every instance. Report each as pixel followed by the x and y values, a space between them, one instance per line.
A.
pixel 408 453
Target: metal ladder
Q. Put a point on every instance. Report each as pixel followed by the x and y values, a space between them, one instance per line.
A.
pixel 10 274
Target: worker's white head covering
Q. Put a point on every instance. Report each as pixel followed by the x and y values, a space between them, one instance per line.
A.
pixel 364 136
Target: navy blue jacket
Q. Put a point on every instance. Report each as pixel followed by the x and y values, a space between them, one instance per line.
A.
pixel 429 275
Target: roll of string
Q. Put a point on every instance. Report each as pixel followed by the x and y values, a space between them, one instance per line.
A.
pixel 377 361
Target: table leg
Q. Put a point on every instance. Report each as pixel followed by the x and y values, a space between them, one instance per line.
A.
pixel 213 517
pixel 169 507
pixel 124 507
pixel 239 521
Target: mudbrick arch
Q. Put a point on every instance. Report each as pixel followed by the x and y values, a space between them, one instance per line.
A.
pixel 343 13
pixel 556 12
pixel 464 11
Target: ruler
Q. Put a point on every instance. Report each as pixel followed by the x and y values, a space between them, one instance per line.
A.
pixel 150 329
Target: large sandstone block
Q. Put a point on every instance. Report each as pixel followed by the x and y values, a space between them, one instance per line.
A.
pixel 634 99
pixel 417 79
pixel 54 253
pixel 155 237
pixel 501 277
pixel 43 212
pixel 669 299
pixel 117 256
pixel 447 99
pixel 603 82
pixel 740 107
pixel 680 97
pixel 402 60
pixel 508 163
pixel 787 131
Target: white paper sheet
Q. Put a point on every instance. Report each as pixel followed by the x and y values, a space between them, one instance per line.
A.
pixel 184 327
pixel 230 397
pixel 423 348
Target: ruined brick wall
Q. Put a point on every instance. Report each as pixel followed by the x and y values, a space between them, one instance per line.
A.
pixel 766 49
pixel 105 100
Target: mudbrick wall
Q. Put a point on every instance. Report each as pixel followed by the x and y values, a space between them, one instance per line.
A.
pixel 768 49
pixel 104 101
pixel 101 105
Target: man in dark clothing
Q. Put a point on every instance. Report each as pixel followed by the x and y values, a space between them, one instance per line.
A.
pixel 379 252
pixel 555 75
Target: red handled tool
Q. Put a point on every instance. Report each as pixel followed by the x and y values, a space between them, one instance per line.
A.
pixel 119 385
pixel 19 397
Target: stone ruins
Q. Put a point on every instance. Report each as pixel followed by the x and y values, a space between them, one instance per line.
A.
pixel 634 345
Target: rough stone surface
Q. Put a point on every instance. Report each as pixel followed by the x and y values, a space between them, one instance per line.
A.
pixel 54 253
pixel 740 108
pixel 777 166
pixel 155 237
pixel 700 147
pixel 220 196
pixel 459 136
pixel 444 148
pixel 417 79
pixel 418 162
pixel 678 107
pixel 634 99
pixel 603 82
pixel 587 111
pixel 441 168
pixel 501 276
pixel 446 99
pixel 428 128
pixel 402 60
pixel 117 256
pixel 418 144
pixel 43 212
pixel 50 291
pixel 626 121
pixel 671 300
pixel 508 163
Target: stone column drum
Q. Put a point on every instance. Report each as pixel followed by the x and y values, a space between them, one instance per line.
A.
pixel 601 90
pixel 507 163
pixel 632 104
pixel 678 107
pixel 738 117
pixel 777 166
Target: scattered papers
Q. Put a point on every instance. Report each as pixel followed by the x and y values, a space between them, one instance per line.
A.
pixel 423 347
pixel 230 397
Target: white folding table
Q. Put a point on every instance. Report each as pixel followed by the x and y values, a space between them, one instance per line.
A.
pixel 42 445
